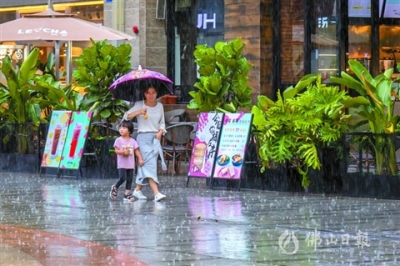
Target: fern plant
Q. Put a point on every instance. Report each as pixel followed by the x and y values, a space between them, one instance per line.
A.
pixel 292 129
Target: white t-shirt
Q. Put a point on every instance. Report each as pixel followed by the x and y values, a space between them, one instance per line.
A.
pixel 155 117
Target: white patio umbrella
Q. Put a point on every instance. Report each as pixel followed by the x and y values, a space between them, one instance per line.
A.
pixel 54 26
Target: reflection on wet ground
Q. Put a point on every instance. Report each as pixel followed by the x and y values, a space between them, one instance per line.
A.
pixel 64 221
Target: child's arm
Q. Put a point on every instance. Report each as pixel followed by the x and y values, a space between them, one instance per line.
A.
pixel 139 156
pixel 124 152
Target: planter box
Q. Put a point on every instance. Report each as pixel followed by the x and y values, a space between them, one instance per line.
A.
pixel 22 163
pixel 371 186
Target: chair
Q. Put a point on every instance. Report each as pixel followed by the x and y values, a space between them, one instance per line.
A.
pixel 174 116
pixel 177 144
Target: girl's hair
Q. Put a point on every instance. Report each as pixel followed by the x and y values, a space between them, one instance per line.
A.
pixel 128 124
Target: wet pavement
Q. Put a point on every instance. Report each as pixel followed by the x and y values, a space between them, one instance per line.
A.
pixel 67 221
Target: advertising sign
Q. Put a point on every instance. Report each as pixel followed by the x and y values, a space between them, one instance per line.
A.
pixel 75 140
pixel 56 138
pixel 233 141
pixel 205 144
pixel 362 8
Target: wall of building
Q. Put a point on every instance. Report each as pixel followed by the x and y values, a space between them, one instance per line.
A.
pixel 149 46
pixel 292 56
pixel 242 19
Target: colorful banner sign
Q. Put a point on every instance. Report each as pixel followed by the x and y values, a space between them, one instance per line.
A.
pixel 56 138
pixel 205 144
pixel 75 140
pixel 232 146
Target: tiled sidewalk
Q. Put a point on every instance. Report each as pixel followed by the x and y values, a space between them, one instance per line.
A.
pixel 64 221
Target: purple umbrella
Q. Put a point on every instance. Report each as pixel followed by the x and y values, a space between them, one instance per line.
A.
pixel 131 86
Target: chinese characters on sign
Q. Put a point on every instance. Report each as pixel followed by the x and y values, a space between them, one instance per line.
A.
pixel 15 52
pixel 205 144
pixel 232 145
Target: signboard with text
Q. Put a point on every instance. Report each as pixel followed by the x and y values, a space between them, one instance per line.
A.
pixel 205 144
pixel 232 146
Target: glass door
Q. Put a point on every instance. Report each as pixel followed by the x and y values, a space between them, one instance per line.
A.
pixel 325 46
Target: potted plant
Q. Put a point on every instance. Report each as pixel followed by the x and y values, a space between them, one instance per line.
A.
pixel 223 83
pixel 25 101
pixel 98 66
pixel 374 107
pixel 294 130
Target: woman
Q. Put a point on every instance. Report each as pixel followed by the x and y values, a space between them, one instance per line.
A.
pixel 151 124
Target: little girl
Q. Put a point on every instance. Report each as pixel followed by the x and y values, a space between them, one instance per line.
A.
pixel 126 149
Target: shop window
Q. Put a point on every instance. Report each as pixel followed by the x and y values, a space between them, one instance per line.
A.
pixel 325 52
pixel 389 52
pixel 360 44
pixel 195 22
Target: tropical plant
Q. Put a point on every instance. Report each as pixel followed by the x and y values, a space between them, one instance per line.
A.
pixel 28 98
pixel 223 82
pixel 16 98
pixel 48 66
pixel 292 129
pixel 98 66
pixel 375 107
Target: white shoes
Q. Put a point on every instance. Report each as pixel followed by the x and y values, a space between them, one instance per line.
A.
pixel 138 194
pixel 159 197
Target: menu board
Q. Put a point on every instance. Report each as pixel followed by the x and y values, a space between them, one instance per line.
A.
pixel 56 138
pixel 75 140
pixel 205 144
pixel 232 145
pixel 66 139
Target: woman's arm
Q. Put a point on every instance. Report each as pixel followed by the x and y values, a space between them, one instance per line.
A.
pixel 129 116
pixel 137 109
pixel 139 156
pixel 161 130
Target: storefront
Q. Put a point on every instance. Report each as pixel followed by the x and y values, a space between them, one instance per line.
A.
pixel 86 10
pixel 294 37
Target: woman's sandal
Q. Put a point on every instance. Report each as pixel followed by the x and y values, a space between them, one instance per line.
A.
pixel 129 197
pixel 113 192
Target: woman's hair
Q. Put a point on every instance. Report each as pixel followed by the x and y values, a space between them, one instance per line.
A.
pixel 128 124
pixel 151 87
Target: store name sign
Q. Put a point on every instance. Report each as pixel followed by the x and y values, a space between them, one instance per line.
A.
pixel 53 32
pixel 323 22
pixel 203 21
pixel 14 51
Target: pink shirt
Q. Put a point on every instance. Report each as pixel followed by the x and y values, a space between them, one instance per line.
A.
pixel 126 162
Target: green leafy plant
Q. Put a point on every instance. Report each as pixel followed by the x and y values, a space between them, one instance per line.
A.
pixel 223 82
pixel 48 66
pixel 293 128
pixel 98 66
pixel 20 100
pixel 375 107
pixel 28 99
